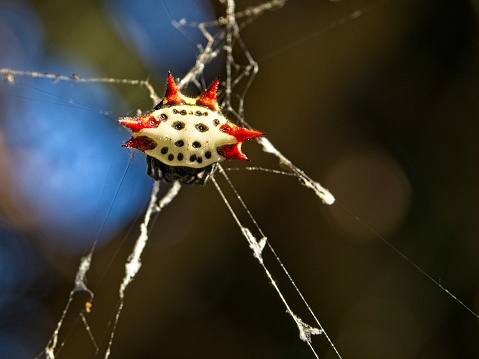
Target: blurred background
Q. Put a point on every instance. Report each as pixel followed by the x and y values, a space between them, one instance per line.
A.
pixel 377 100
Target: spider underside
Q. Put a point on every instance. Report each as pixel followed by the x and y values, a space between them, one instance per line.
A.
pixel 185 175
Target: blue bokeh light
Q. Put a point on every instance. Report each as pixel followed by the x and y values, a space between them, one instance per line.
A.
pixel 148 28
pixel 65 179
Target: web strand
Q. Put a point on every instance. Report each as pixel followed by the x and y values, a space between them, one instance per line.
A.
pixel 216 43
pixel 409 261
pixel 305 330
pixel 134 260
pixel 11 74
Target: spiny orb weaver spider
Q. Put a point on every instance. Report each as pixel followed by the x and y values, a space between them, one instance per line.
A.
pixel 184 137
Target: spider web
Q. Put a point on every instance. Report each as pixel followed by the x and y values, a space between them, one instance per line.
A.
pixel 239 73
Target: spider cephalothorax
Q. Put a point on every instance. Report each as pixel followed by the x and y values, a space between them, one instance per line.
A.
pixel 185 137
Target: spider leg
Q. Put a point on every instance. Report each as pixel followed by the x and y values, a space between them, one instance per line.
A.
pixel 208 172
pixel 186 175
pixel 154 168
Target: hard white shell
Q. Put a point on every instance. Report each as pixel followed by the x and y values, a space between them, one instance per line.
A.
pixel 189 136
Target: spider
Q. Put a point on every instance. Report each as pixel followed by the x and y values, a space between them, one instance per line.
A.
pixel 184 138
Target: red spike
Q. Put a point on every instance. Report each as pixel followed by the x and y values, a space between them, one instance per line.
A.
pixel 208 97
pixel 232 152
pixel 141 143
pixel 240 133
pixel 132 123
pixel 173 95
pixel 136 124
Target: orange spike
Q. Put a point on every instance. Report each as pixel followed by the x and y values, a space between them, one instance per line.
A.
pixel 173 95
pixel 208 97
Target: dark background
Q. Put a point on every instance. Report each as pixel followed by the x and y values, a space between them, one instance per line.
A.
pixel 377 100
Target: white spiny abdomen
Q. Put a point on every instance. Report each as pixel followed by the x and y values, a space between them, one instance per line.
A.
pixel 189 136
